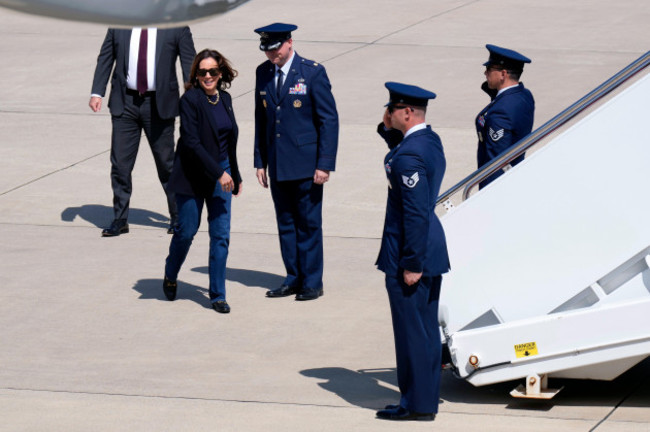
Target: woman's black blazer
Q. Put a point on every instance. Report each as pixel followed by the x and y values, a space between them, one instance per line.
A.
pixel 196 165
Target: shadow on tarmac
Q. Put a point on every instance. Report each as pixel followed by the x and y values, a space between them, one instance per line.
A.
pixel 101 216
pixel 250 278
pixel 360 388
pixel 631 388
pixel 363 388
pixel 151 289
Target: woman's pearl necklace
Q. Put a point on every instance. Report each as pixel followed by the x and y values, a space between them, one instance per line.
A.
pixel 215 101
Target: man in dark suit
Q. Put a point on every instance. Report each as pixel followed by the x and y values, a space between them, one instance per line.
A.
pixel 144 96
pixel 509 116
pixel 296 139
pixel 413 252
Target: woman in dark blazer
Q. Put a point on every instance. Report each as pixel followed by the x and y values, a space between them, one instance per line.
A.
pixel 205 171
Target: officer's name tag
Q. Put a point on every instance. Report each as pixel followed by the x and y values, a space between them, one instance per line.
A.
pixel 262 93
pixel 298 89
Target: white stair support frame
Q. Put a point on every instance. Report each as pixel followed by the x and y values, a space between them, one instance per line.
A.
pixel 543 238
pixel 536 388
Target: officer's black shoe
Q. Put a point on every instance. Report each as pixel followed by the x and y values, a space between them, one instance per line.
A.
pixel 118 226
pixel 221 306
pixel 169 288
pixel 400 413
pixel 283 291
pixel 309 294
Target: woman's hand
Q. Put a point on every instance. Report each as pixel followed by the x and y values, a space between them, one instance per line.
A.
pixel 226 182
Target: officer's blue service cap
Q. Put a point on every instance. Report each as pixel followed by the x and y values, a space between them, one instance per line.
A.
pixel 506 58
pixel 272 36
pixel 408 94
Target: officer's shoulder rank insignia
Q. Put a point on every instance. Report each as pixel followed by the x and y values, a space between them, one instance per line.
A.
pixel 410 182
pixel 496 135
pixel 297 103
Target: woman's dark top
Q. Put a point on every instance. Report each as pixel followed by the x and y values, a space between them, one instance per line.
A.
pixel 225 128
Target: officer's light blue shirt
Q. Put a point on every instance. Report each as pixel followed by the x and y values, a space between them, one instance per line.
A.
pixel 285 69
pixel 415 129
pixel 504 89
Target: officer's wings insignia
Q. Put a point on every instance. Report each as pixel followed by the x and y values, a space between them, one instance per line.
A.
pixel 496 136
pixel 410 182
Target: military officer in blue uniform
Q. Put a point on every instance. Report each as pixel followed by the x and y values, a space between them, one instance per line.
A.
pixel 413 252
pixel 509 116
pixel 296 139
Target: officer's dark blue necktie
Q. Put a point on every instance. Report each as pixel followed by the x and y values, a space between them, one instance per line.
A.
pixel 278 85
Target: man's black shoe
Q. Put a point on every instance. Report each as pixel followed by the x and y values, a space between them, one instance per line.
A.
pixel 118 226
pixel 221 306
pixel 309 294
pixel 169 288
pixel 400 413
pixel 283 291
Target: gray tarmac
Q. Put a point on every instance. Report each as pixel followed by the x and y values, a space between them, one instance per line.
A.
pixel 88 341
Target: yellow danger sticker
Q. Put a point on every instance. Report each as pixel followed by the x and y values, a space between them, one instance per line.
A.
pixel 526 349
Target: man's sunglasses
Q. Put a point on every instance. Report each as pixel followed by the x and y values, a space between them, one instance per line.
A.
pixel 393 108
pixel 203 72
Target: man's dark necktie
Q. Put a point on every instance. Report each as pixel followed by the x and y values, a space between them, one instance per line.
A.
pixel 278 85
pixel 141 81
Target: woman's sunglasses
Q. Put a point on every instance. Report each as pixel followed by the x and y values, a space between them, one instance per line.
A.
pixel 203 72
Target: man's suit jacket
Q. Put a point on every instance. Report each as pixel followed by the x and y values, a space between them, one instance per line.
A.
pixel 114 57
pixel 196 167
pixel 297 133
pixel 413 238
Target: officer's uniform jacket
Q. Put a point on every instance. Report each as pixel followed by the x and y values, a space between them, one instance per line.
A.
pixel 413 238
pixel 297 133
pixel 507 119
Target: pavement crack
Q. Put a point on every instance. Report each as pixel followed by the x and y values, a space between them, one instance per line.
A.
pixel 189 398
pixel 52 173
pixel 638 386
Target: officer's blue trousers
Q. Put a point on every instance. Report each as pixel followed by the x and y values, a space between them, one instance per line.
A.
pixel 298 211
pixel 189 219
pixel 414 310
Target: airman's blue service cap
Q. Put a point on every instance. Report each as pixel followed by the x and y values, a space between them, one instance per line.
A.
pixel 506 58
pixel 408 94
pixel 272 36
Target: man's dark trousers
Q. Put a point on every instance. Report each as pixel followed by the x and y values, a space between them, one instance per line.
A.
pixel 140 114
pixel 418 349
pixel 298 209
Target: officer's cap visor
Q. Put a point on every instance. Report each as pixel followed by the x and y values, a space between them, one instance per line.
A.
pixel 270 45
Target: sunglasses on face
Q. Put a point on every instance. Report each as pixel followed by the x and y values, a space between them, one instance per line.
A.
pixel 393 108
pixel 203 72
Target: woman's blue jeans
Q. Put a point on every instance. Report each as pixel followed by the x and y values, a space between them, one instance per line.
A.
pixel 189 219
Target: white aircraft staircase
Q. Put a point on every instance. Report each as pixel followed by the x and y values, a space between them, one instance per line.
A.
pixel 551 262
